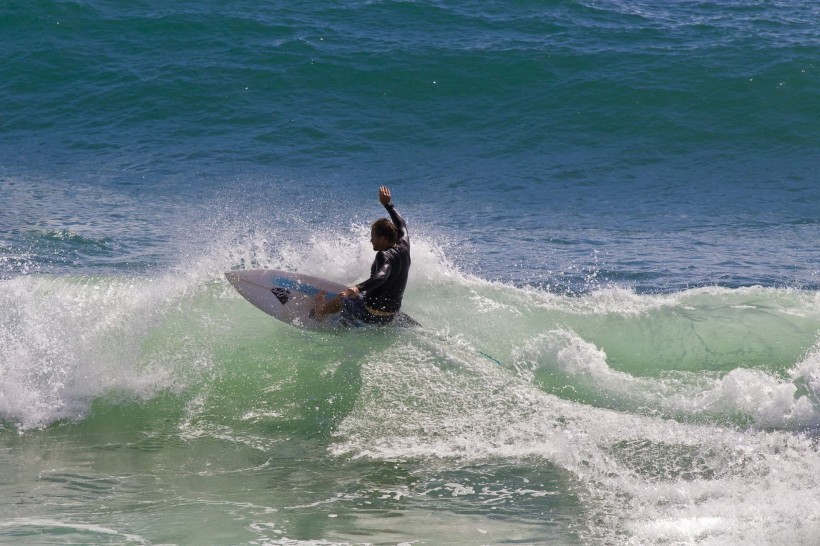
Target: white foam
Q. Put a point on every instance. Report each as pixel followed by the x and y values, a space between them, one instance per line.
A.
pixel 66 341
pixel 645 479
pixel 769 401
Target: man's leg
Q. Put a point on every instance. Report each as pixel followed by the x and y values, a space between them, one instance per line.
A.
pixel 323 308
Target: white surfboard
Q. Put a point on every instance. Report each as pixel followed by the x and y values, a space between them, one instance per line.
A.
pixel 289 297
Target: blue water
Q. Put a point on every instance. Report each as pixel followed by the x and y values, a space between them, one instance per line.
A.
pixel 614 210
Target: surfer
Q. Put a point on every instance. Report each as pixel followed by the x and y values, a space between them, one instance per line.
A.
pixel 378 299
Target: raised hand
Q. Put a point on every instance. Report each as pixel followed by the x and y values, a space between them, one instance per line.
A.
pixel 384 195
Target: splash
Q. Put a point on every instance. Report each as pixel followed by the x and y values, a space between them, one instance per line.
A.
pixel 66 341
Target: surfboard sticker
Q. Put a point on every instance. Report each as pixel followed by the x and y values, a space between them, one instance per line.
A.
pixel 282 294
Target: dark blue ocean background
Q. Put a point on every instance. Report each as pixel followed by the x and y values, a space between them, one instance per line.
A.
pixel 662 145
pixel 615 211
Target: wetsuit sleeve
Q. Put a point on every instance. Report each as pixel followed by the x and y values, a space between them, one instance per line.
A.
pixel 377 278
pixel 398 221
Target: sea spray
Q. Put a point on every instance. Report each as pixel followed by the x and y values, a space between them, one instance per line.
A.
pixel 68 341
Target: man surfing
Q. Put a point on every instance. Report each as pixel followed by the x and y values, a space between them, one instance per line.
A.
pixel 384 289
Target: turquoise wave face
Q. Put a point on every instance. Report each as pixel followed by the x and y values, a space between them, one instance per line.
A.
pixel 746 355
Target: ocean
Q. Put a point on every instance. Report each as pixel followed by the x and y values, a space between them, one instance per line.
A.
pixel 614 209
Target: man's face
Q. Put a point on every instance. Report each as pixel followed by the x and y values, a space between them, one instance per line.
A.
pixel 378 242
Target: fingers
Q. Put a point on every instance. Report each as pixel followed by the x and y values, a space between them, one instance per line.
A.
pixel 351 292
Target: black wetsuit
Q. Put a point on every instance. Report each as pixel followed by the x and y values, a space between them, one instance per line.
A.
pixel 388 274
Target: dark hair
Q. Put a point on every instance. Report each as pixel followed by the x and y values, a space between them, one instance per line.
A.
pixel 385 228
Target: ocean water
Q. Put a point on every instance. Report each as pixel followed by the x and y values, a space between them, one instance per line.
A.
pixel 614 208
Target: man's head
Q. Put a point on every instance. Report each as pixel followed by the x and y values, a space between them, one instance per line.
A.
pixel 383 234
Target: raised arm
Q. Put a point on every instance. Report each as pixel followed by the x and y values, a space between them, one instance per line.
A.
pixel 386 200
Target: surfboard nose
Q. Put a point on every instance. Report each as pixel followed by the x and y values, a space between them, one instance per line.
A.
pixel 232 277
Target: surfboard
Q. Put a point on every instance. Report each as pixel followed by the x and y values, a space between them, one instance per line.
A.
pixel 289 297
